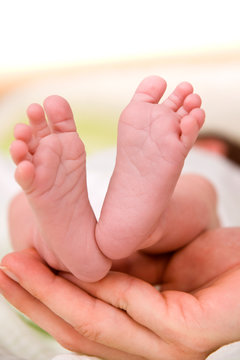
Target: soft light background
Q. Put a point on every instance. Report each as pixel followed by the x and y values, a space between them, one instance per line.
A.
pixel 95 53
pixel 58 32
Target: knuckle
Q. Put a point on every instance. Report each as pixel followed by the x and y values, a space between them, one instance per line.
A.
pixel 89 331
pixel 125 293
pixel 68 342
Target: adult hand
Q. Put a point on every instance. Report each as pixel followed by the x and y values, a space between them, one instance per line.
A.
pixel 122 317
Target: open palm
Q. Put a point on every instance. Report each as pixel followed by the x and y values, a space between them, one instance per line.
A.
pixel 123 317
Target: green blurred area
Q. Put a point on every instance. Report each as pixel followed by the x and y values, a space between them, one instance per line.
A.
pixel 97 131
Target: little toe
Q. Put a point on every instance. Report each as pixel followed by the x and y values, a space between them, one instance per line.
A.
pixel 24 174
pixel 19 151
pixel 199 115
pixel 177 97
pixel 23 132
pixel 59 114
pixel 190 126
pixel 150 90
pixel 191 102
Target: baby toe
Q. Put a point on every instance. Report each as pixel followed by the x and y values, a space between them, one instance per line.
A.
pixel 191 102
pixel 199 116
pixel 38 121
pixel 190 126
pixel 24 174
pixel 177 97
pixel 150 90
pixel 19 151
pixel 23 132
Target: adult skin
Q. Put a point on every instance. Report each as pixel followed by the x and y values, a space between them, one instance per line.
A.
pixel 124 317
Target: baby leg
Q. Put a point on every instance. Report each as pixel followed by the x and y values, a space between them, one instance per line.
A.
pixel 21 222
pixel 191 210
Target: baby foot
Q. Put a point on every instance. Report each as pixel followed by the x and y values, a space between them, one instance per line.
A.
pixel 153 141
pixel 51 170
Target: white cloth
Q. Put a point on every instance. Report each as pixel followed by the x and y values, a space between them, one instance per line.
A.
pixel 20 339
pixel 224 175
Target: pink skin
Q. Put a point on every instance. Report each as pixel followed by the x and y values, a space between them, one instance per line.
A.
pixel 153 142
pixel 50 160
pixel 196 312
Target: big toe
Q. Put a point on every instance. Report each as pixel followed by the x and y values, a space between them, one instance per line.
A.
pixel 150 90
pixel 59 114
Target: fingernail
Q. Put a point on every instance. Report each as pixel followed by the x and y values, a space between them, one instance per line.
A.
pixel 9 273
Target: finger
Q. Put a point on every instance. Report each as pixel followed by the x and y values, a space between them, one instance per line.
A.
pixel 64 333
pixel 124 292
pixel 188 320
pixel 39 313
pixel 174 316
pixel 91 317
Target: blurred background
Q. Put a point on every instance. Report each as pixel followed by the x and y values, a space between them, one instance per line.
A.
pixel 94 53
